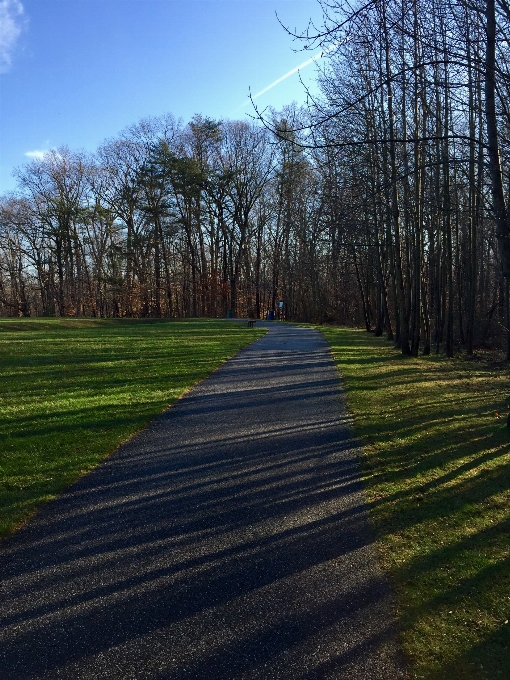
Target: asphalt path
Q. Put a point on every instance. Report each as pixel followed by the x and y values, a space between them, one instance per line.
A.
pixel 228 540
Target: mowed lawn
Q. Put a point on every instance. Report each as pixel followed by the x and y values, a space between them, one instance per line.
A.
pixel 436 465
pixel 436 456
pixel 72 390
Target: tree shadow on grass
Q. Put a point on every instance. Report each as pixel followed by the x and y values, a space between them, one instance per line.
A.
pixel 241 531
pixel 212 545
pixel 439 483
pixel 488 660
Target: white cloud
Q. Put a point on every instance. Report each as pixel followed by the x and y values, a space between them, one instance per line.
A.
pixel 37 154
pixel 11 25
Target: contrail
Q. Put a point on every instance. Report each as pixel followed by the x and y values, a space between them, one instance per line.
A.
pixel 287 75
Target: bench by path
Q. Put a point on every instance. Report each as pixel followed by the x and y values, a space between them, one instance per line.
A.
pixel 226 541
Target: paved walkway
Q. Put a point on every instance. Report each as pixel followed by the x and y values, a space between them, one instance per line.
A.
pixel 228 540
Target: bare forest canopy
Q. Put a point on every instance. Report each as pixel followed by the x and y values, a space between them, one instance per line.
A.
pixel 383 203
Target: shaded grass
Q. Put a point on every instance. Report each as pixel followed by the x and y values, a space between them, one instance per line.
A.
pixel 72 390
pixel 436 464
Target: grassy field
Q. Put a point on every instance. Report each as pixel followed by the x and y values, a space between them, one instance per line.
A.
pixel 436 456
pixel 437 469
pixel 72 390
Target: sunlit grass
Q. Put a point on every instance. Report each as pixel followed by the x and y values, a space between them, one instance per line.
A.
pixel 436 464
pixel 72 390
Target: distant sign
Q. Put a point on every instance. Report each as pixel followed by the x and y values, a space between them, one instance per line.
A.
pixel 280 304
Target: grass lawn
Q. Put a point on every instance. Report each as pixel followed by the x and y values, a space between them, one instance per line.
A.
pixel 437 468
pixel 72 390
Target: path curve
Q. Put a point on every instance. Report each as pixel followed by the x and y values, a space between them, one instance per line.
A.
pixel 226 541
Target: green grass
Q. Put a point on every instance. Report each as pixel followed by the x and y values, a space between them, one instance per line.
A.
pixel 436 464
pixel 436 458
pixel 72 390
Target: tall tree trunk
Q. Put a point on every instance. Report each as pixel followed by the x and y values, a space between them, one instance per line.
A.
pixel 496 175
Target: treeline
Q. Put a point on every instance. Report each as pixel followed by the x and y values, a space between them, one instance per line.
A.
pixel 383 203
pixel 168 220
pixel 413 124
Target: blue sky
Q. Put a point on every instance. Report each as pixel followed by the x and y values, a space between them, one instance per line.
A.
pixel 76 72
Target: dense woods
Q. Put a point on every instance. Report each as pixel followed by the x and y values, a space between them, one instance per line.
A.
pixel 383 203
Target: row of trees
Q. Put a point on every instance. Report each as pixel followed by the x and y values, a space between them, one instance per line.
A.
pixel 383 203
pixel 166 220
pixel 413 123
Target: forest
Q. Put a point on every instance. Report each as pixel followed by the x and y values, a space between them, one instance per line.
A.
pixel 382 203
